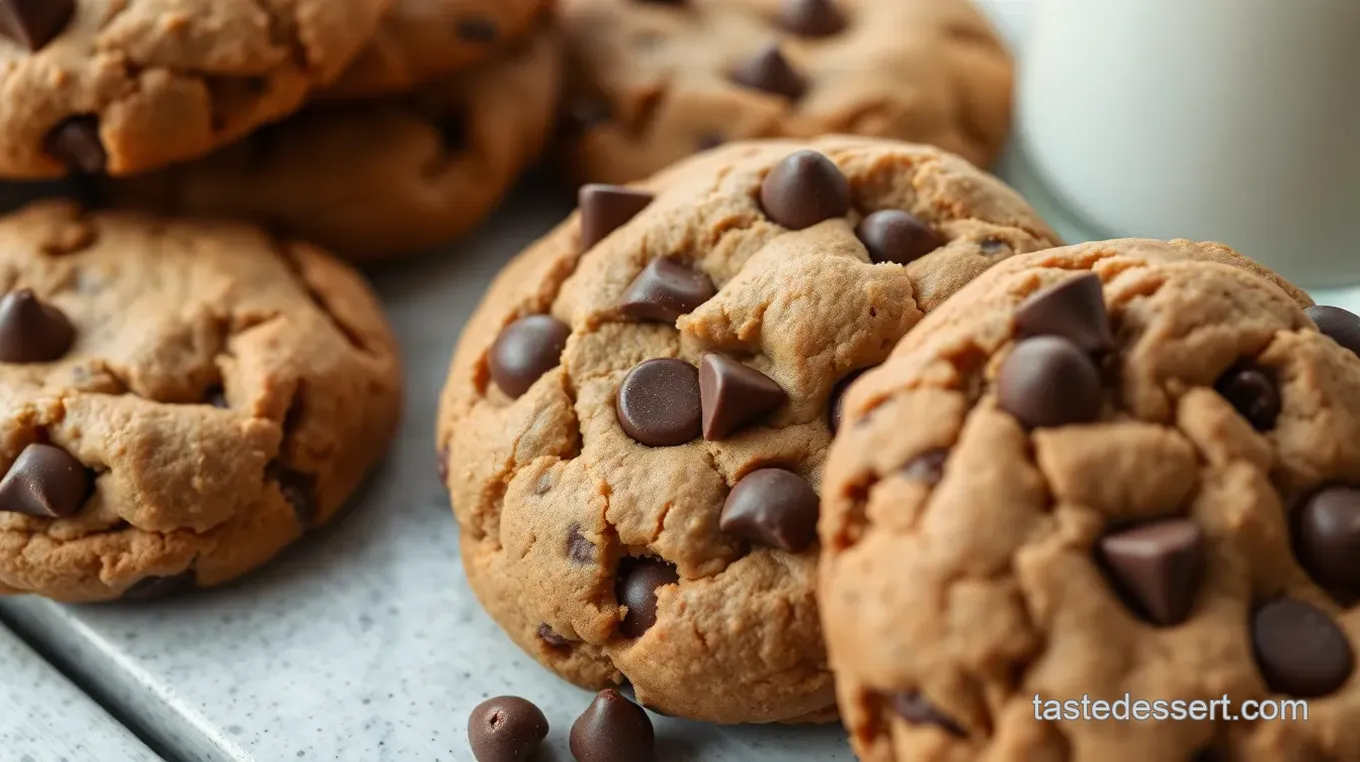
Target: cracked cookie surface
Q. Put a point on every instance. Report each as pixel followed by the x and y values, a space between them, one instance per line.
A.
pixel 120 87
pixel 182 399
pixel 725 298
pixel 655 82
pixel 987 537
pixel 420 41
pixel 384 178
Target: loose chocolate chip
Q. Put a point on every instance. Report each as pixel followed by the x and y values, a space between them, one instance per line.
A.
pixel 1158 565
pixel 32 330
pixel 297 488
pixel 1252 391
pixel 658 403
pixel 549 635
pixel 579 549
pixel 665 290
pixel 1049 381
pixel 75 143
pixel 803 189
pixel 811 18
pixel 772 507
pixel 506 729
pixel 155 588
pixel 769 71
pixel 896 236
pixel 1299 649
pixel 606 208
pixel 928 467
pixel 525 350
pixel 34 23
pixel 613 729
pixel 836 405
pixel 1073 310
pixel 917 710
pixel 1341 326
pixel 733 396
pixel 45 481
pixel 1328 537
pixel 635 587
pixel 478 30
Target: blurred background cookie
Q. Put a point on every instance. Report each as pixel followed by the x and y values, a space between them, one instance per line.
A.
pixel 377 179
pixel 652 82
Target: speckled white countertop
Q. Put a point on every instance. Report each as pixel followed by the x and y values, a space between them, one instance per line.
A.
pixel 363 642
pixel 47 719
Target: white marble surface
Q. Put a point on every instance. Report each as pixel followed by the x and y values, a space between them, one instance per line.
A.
pixel 47 719
pixel 364 642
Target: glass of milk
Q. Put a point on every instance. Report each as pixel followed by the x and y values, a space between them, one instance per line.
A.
pixel 1229 120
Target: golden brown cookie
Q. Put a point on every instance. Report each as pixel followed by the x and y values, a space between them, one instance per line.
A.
pixel 121 87
pixel 636 417
pixel 181 400
pixel 421 41
pixel 1120 468
pixel 653 82
pixel 378 180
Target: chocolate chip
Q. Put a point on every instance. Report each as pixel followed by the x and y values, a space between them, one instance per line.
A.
pixel 1073 310
pixel 928 467
pixel 1252 391
pixel 613 729
pixel 579 549
pixel 1341 326
pixel 298 488
pixel 917 710
pixel 658 403
pixel 549 635
pixel 635 587
pixel 665 290
pixel 525 350
pixel 896 236
pixel 34 23
pixel 1049 381
pixel 1158 565
pixel 733 396
pixel 32 330
pixel 479 30
pixel 772 507
pixel 811 18
pixel 45 481
pixel 217 397
pixel 506 729
pixel 836 405
pixel 803 189
pixel 1328 537
pixel 1299 649
pixel 606 208
pixel 75 143
pixel 769 71
pixel 155 588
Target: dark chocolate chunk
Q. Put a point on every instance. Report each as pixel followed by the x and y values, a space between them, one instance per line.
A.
pixel 606 208
pixel 525 350
pixel 1158 565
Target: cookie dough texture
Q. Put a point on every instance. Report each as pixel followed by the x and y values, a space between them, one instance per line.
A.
pixel 150 82
pixel 954 599
pixel 226 391
pixel 553 495
pixel 378 180
pixel 655 82
pixel 420 41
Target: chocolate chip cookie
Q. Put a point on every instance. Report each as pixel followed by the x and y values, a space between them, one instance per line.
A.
pixel 653 82
pixel 421 41
pixel 181 400
pixel 636 417
pixel 1127 467
pixel 380 179
pixel 121 87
